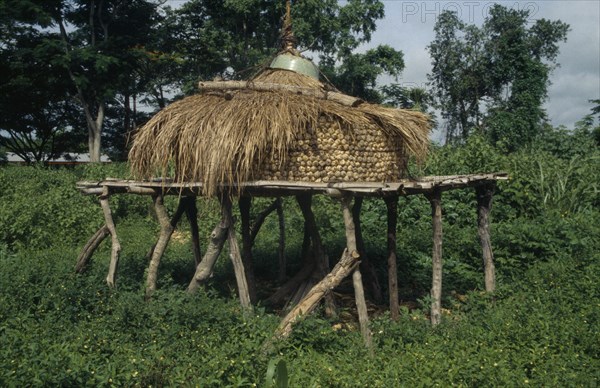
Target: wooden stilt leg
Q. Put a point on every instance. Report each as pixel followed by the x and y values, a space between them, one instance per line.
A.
pixel 435 198
pixel 236 257
pixel 308 266
pixel 244 204
pixel 291 284
pixel 181 208
pixel 90 247
pixel 215 246
pixel 191 211
pixel 359 295
pixel 392 217
pixel 166 230
pixel 305 252
pixel 484 205
pixel 341 270
pixel 320 257
pixel 366 266
pixel 116 245
pixel 260 220
pixel 281 248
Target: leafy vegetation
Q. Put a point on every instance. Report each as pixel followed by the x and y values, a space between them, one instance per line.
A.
pixel 539 328
pixel 493 79
pixel 89 64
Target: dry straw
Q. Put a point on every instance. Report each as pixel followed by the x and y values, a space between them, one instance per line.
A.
pixel 227 138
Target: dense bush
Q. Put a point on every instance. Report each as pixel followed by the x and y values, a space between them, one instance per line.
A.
pixel 540 327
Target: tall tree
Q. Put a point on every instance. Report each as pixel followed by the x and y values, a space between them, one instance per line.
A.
pixel 39 116
pixel 114 54
pixel 357 73
pixel 233 39
pixel 494 78
pixel 97 40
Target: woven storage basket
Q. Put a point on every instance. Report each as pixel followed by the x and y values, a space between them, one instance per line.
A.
pixel 335 153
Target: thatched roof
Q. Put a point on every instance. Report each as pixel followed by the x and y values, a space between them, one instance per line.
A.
pixel 221 138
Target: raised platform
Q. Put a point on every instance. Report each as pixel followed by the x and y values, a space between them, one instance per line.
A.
pixel 316 263
pixel 281 188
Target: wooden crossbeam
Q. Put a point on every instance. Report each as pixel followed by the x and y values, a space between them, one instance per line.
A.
pixel 283 188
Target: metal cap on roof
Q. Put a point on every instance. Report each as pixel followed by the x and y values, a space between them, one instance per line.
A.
pixel 295 63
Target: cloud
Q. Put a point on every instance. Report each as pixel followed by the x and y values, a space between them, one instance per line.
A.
pixel 408 26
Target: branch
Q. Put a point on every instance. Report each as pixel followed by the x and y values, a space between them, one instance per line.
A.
pixel 260 219
pixel 265 86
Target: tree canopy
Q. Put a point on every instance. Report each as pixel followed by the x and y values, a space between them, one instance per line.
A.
pixel 494 78
pixel 80 69
pixel 107 56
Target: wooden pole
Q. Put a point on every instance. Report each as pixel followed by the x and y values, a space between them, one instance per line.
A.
pixel 116 245
pixel 281 248
pixel 263 86
pixel 166 230
pixel 90 247
pixel 366 265
pixel 245 204
pixel 260 220
pixel 191 211
pixel 235 256
pixel 341 270
pixel 359 294
pixel 213 250
pixel 435 198
pixel 308 266
pixel 320 257
pixel 292 284
pixel 392 221
pixel 484 206
pixel 181 208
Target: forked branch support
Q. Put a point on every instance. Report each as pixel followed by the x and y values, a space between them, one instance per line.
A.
pixel 321 286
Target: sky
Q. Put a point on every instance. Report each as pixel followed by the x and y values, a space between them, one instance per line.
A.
pixel 408 26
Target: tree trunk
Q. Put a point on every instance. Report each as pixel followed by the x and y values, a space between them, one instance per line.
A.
pixel 359 295
pixel 90 247
pixel 214 248
pixel 166 230
pixel 116 245
pixel 435 198
pixel 191 211
pixel 97 134
pixel 94 124
pixel 245 203
pixel 281 249
pixel 484 206
pixel 236 257
pixel 341 270
pixel 392 221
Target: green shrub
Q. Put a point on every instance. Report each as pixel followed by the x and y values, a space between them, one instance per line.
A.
pixel 539 328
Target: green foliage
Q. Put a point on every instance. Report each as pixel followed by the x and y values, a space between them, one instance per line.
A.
pixel 92 61
pixel 494 78
pixel 357 75
pixel 38 112
pixel 540 328
pixel 277 375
